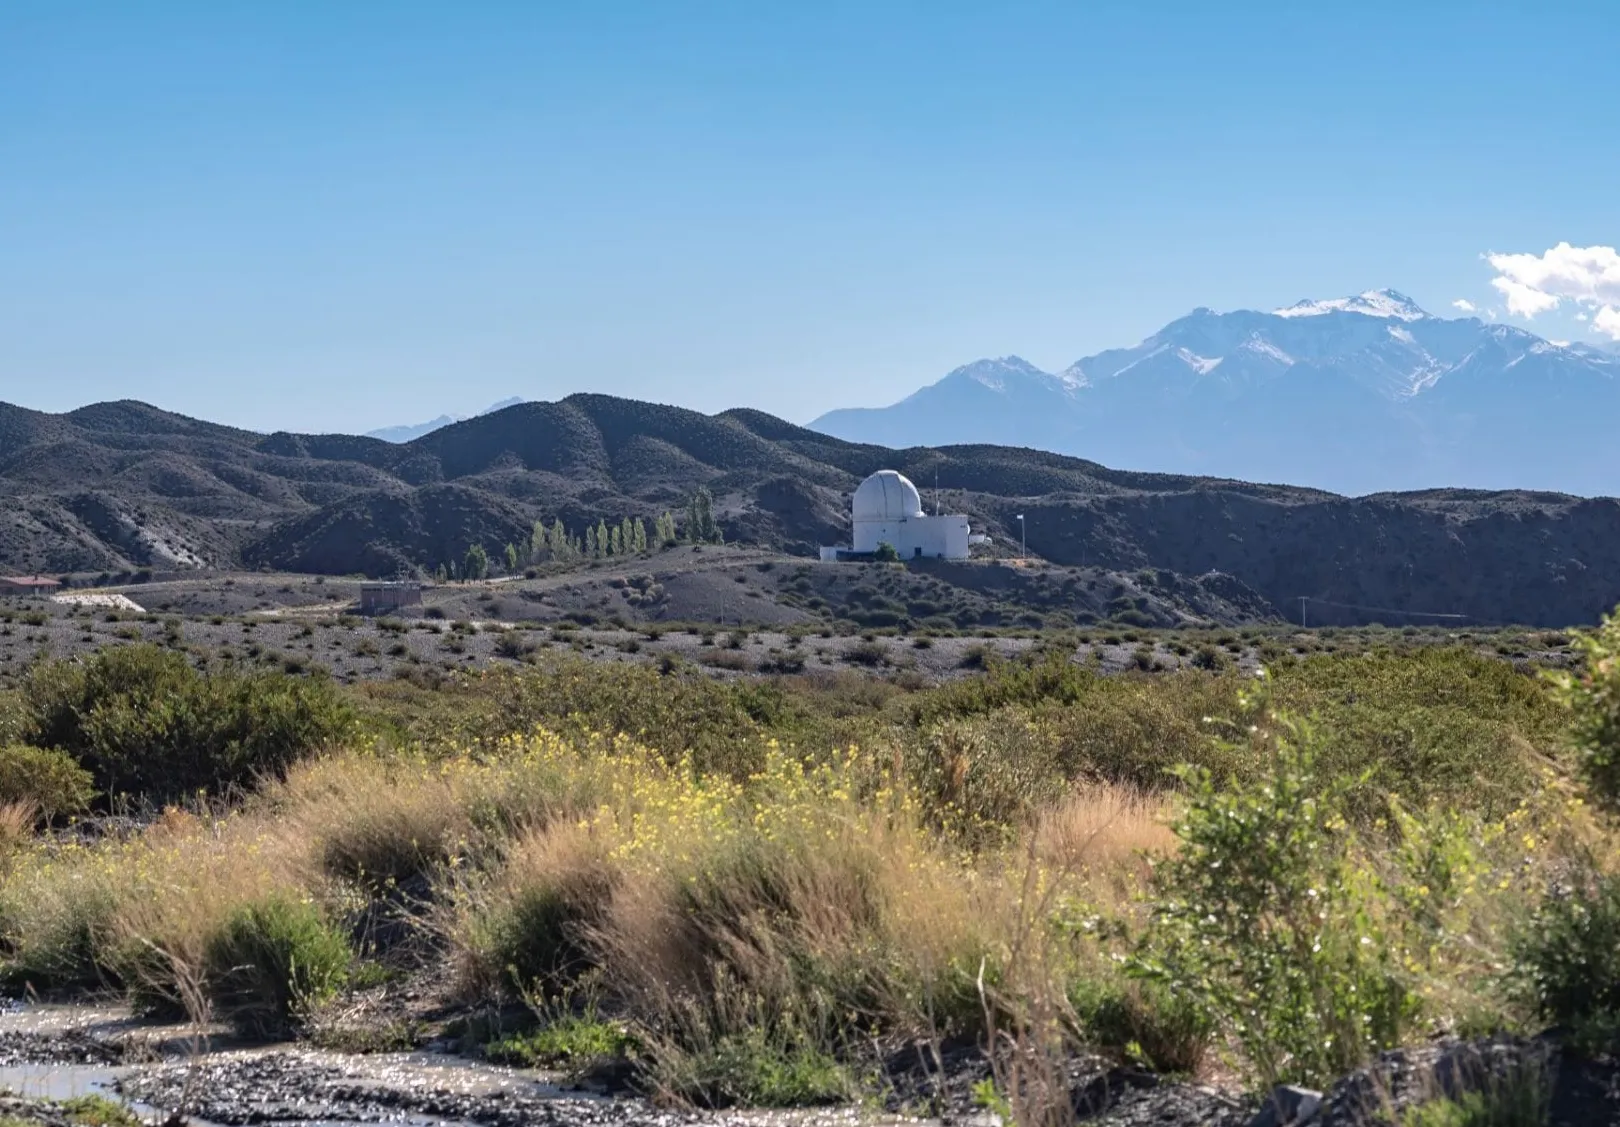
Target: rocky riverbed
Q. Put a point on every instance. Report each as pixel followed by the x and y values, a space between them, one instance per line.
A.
pixel 51 1054
pixel 168 1074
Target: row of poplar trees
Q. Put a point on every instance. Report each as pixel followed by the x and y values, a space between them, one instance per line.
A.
pixel 629 537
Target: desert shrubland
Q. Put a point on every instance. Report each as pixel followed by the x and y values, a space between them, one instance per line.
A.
pixel 755 883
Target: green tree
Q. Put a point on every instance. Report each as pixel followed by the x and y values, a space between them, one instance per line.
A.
pixel 615 542
pixel 476 563
pixel 701 527
pixel 537 541
pixel 664 530
pixel 886 553
pixel 638 538
pixel 590 542
pixel 601 537
pixel 561 547
pixel 511 559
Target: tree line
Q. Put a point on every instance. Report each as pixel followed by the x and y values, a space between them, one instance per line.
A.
pixel 556 543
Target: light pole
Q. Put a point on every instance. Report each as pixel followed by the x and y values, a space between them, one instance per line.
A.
pixel 1023 544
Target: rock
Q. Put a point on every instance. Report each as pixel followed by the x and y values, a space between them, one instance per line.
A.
pixel 1288 1106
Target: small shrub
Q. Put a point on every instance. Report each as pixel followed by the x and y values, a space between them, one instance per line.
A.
pixel 1592 696
pixel 513 645
pixel 753 1068
pixel 573 1041
pixel 976 657
pixel 48 780
pixel 869 653
pixel 1566 960
pixel 1169 1031
pixel 98 1111
pixel 1520 1096
pixel 1263 920
pixel 524 930
pixel 1210 658
pixel 272 963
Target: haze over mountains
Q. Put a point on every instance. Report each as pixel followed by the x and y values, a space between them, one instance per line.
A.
pixel 116 486
pixel 407 431
pixel 1355 395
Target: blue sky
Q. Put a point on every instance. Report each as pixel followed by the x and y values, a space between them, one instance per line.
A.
pixel 320 216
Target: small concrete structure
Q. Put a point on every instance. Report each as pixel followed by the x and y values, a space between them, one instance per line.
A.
pixel 887 509
pixel 383 598
pixel 27 585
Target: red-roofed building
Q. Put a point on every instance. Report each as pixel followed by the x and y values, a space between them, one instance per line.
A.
pixel 27 585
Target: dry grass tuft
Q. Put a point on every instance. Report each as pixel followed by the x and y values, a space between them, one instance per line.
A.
pixel 371 820
pixel 17 822
pixel 1104 833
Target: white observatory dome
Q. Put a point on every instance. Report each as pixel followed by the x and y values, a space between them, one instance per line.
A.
pixel 887 496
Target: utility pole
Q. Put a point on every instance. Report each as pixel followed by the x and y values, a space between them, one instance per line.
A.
pixel 1302 601
pixel 1023 540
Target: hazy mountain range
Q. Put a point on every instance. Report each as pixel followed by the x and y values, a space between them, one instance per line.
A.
pixel 408 431
pixel 1356 395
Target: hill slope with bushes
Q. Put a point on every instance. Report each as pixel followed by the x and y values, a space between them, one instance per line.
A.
pixel 121 486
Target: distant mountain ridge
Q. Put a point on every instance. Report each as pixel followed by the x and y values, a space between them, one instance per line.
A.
pixel 1356 395
pixel 115 486
pixel 410 431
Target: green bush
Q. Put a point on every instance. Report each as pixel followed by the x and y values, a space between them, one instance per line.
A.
pixel 98 1111
pixel 1262 920
pixel 536 936
pixel 575 1041
pixel 272 963
pixel 1567 958
pixel 1169 1032
pixel 1443 725
pixel 1592 697
pixel 144 722
pixel 754 1068
pixel 1519 1097
pixel 722 726
pixel 46 779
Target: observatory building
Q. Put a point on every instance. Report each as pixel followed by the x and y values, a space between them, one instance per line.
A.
pixel 887 509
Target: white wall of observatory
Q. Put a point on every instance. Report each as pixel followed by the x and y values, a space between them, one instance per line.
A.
pixel 943 537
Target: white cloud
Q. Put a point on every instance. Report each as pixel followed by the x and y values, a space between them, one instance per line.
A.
pixel 1464 304
pixel 1539 283
pixel 1607 322
pixel 1524 300
pixel 1582 317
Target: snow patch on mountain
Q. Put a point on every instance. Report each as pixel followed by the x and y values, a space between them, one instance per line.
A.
pixel 1358 394
pixel 1387 304
pixel 1203 365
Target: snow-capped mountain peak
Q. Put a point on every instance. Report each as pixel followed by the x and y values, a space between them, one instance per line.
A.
pixel 994 373
pixel 1358 394
pixel 1388 304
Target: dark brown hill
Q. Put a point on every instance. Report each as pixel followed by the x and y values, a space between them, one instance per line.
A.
pixel 124 485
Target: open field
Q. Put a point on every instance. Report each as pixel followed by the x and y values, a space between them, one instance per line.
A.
pixel 732 611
